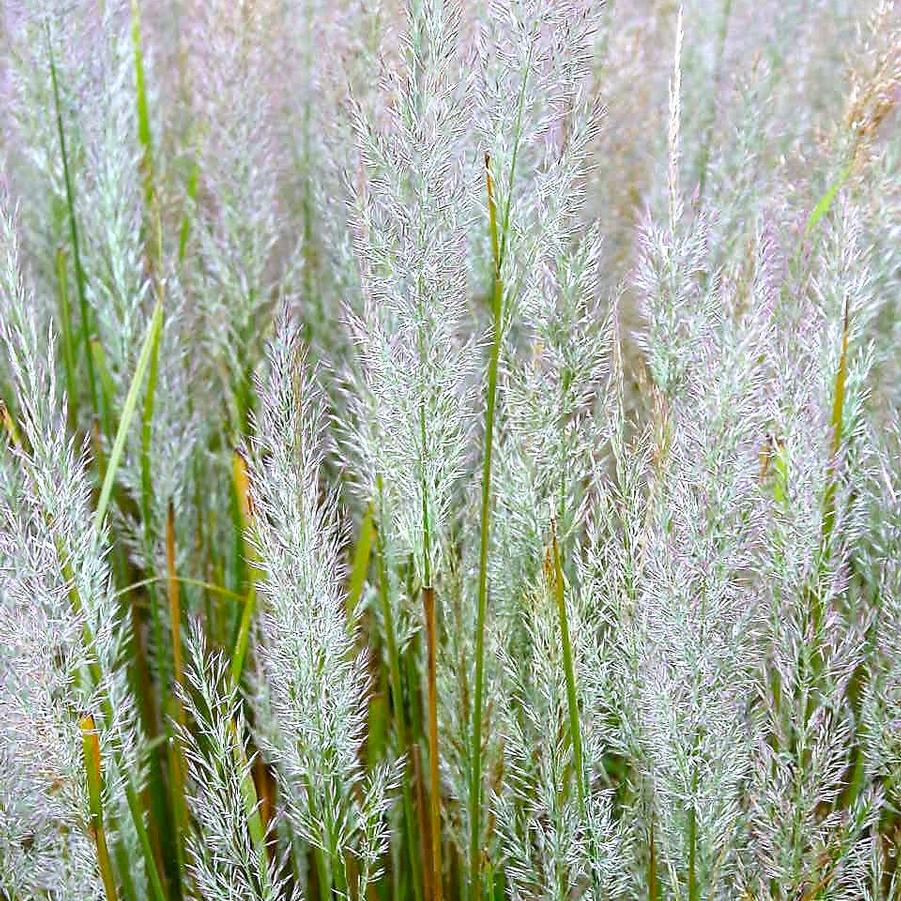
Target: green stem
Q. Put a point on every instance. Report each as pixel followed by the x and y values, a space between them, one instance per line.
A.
pixel 360 565
pixel 251 806
pixel 147 514
pixel 500 252
pixel 185 580
pixel 184 230
pixel 825 202
pixel 107 394
pixel 322 877
pixel 498 248
pixel 339 872
pixel 128 410
pixel 693 890
pixel 141 107
pixel 397 699
pixel 83 308
pixel 816 611
pixel 242 515
pixel 575 730
pixel 428 601
pixel 475 786
pixel 68 342
pixel 176 816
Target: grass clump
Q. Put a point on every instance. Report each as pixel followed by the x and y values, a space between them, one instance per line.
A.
pixel 449 451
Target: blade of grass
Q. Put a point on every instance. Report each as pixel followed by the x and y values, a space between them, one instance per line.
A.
pixel 475 787
pixel 147 514
pixel 128 412
pixel 244 512
pixel 575 730
pixel 83 308
pixel 94 773
pixel 156 796
pixel 9 424
pixel 177 813
pixel 397 698
pixel 825 202
pixel 251 807
pixel 498 249
pixel 184 230
pixel 68 343
pixel 184 580
pixel 142 109
pixel 362 554
pixel 428 600
pixel 174 594
pixel 176 759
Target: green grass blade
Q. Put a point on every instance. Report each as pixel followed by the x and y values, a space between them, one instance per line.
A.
pixel 575 730
pixel 143 114
pixel 475 785
pixel 147 510
pixel 362 554
pixel 825 202
pixel 400 716
pixel 243 516
pixel 251 805
pixel 68 341
pixel 184 230
pixel 239 652
pixel 83 308
pixel 431 632
pixel 128 412
pixel 184 580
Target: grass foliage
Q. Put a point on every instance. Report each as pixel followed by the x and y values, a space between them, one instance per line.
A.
pixel 450 449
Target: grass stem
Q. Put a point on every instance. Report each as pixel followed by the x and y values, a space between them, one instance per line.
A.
pixel 475 787
pixel 242 638
pixel 575 730
pixel 397 699
pixel 68 341
pixel 128 411
pixel 94 773
pixel 428 600
pixel 83 308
